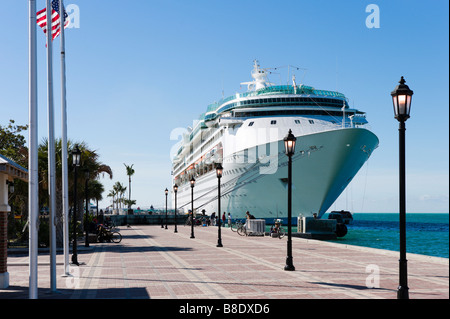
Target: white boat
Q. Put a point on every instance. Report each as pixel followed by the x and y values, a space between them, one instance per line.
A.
pixel 245 133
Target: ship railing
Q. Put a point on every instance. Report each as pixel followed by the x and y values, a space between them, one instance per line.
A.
pixel 280 89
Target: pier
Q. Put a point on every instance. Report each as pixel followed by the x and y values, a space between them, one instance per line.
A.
pixel 156 263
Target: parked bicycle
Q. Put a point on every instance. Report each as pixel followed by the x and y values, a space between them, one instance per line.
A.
pixel 277 230
pixel 242 230
pixel 106 234
pixel 236 225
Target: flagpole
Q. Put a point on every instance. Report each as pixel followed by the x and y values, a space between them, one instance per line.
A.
pixel 51 150
pixel 33 191
pixel 65 187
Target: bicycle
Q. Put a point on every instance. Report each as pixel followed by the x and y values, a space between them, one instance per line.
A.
pixel 277 231
pixel 236 225
pixel 108 235
pixel 242 230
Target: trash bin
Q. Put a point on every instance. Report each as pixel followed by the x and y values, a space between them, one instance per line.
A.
pixel 256 227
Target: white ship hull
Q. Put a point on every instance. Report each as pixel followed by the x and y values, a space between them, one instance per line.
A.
pixel 323 165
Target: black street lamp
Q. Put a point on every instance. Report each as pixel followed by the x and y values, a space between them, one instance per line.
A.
pixel 192 206
pixel 175 189
pixel 86 218
pixel 289 148
pixel 401 98
pixel 76 161
pixel 166 192
pixel 219 171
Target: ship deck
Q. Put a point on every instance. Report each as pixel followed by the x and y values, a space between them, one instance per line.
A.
pixel 156 263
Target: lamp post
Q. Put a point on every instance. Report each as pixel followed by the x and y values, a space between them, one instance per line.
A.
pixel 192 206
pixel 401 98
pixel 162 220
pixel 289 147
pixel 166 192
pixel 219 171
pixel 10 186
pixel 86 217
pixel 76 161
pixel 175 189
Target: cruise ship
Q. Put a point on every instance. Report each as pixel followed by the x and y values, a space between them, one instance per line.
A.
pixel 244 132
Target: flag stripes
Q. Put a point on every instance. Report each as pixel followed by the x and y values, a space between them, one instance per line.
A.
pixel 41 19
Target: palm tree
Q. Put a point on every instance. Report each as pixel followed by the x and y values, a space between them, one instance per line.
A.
pixel 130 172
pixel 119 189
pixel 96 190
pixel 90 161
pixel 130 202
pixel 112 193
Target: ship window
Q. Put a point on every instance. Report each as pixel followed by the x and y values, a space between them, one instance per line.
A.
pixel 297 121
pixel 273 122
pixel 311 122
pixel 251 123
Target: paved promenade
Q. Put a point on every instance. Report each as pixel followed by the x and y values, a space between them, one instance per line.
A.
pixel 152 262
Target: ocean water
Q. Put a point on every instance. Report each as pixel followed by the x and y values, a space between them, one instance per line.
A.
pixel 426 234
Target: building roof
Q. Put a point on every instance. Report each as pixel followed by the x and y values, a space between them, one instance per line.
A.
pixel 12 169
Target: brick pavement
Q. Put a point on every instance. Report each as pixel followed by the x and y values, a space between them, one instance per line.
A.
pixel 152 262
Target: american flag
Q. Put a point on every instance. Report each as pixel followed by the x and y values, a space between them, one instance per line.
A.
pixel 41 19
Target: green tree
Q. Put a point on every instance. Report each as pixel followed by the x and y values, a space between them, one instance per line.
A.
pixel 12 143
pixel 112 193
pixel 12 146
pixel 130 172
pixel 130 202
pixel 119 190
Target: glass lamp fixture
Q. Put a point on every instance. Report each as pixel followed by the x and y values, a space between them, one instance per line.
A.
pixel 76 156
pixel 289 143
pixel 401 98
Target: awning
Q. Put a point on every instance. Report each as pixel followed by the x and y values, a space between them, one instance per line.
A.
pixel 12 169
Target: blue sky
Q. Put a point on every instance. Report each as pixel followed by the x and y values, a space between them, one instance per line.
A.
pixel 137 72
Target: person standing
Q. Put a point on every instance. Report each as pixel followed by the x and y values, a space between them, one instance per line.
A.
pixel 229 220
pixel 223 219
